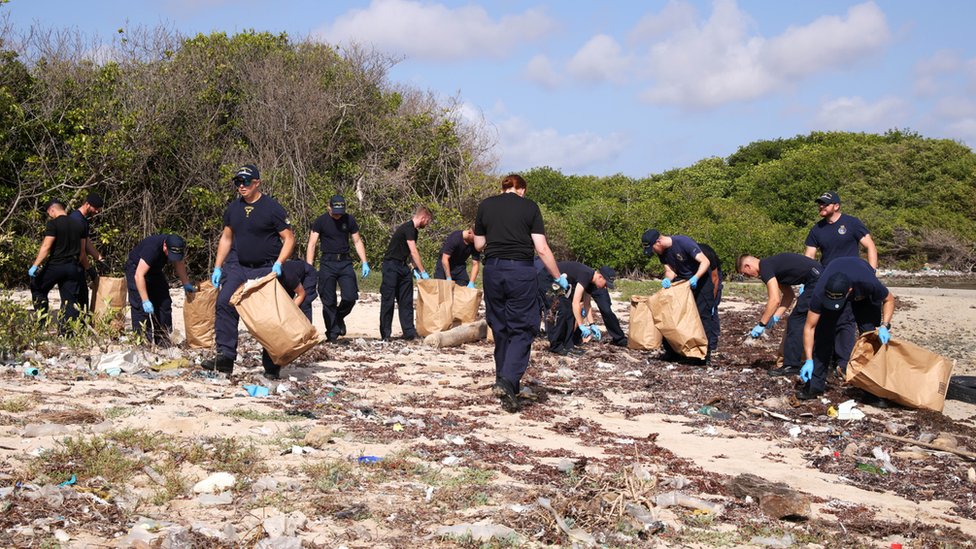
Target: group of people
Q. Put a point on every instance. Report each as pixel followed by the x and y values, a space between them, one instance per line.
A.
pixel 523 283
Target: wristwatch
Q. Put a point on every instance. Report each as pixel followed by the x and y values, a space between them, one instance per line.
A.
pixel 886 325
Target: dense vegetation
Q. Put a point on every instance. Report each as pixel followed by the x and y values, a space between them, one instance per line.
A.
pixel 156 122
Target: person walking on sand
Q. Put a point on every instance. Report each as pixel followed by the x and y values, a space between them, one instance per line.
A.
pixel 64 242
pixel 396 285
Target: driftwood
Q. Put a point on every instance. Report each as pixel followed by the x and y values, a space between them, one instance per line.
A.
pixel 464 333
pixel 956 451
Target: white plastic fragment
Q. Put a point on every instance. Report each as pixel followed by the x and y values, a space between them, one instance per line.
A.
pixel 479 531
pixel 451 461
pixel 215 482
pixel 847 411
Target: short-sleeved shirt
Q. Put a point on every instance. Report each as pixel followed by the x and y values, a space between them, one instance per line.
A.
pixel 398 249
pixel 67 233
pixel 80 218
pixel 256 227
pixel 458 251
pixel 789 268
pixel 295 273
pixel 864 283
pixel 681 257
pixel 150 250
pixel 334 233
pixel 838 239
pixel 508 221
pixel 575 273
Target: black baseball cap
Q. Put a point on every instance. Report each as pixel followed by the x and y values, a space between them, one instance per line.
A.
pixel 338 204
pixel 174 247
pixel 609 274
pixel 247 172
pixel 50 203
pixel 829 197
pixel 649 239
pixel 835 291
pixel 94 200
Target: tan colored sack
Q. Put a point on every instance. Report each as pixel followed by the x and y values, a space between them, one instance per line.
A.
pixel 676 315
pixel 435 299
pixel 109 292
pixel 274 320
pixel 466 303
pixel 899 371
pixel 199 314
pixel 642 334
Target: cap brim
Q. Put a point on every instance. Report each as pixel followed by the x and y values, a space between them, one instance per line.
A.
pixel 834 304
pixel 609 283
pixel 648 251
pixel 174 256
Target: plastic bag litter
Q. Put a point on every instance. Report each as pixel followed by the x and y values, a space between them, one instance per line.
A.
pixel 785 541
pixel 44 430
pixel 128 361
pixel 284 525
pixel 883 456
pixel 265 484
pixel 677 498
pixel 451 461
pixel 479 531
pixel 281 542
pixel 224 498
pixel 846 410
pixel 216 481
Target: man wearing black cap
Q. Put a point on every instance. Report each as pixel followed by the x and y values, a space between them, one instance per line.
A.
pixel 846 282
pixel 569 318
pixel 780 273
pixel 683 260
pixel 64 241
pixel 335 229
pixel 92 206
pixel 840 235
pixel 152 306
pixel 260 230
pixel 455 251
pixel 396 285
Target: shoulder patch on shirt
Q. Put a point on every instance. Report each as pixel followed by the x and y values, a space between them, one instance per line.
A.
pixel 287 220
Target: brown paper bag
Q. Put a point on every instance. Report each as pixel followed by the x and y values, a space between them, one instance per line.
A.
pixel 110 292
pixel 274 320
pixel 435 299
pixel 199 314
pixel 899 371
pixel 642 335
pixel 466 303
pixel 676 315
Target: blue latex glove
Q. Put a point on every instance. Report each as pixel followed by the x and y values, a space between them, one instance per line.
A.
pixel 596 332
pixel 666 283
pixel 772 322
pixel 562 281
pixel 416 274
pixel 806 372
pixel 586 330
pixel 215 277
pixel 147 307
pixel 188 288
pixel 471 285
pixel 693 282
pixel 798 294
pixel 583 312
pixel 32 271
pixel 365 269
pixel 757 331
pixel 424 276
pixel 883 335
pixel 276 268
pixel 448 278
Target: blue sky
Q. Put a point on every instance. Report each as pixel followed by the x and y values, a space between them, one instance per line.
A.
pixel 625 87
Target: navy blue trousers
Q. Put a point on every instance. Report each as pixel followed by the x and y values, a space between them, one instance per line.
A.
pixel 157 326
pixel 397 286
pixel 866 314
pixel 610 321
pixel 69 278
pixel 512 306
pixel 332 274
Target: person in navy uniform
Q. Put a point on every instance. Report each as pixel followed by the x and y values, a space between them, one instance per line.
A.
pixel 509 232
pixel 152 306
pixel 780 273
pixel 718 283
pixel 840 235
pixel 397 285
pixel 457 248
pixel 574 314
pixel 261 230
pixel 335 229
pixel 299 279
pixel 683 260
pixel 846 282
pixel 92 206
pixel 64 242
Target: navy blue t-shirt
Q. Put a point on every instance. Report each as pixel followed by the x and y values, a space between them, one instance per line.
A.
pixel 575 273
pixel 508 221
pixel 80 218
pixel 150 250
pixel 295 273
pixel 256 227
pixel 789 268
pixel 67 233
pixel 458 250
pixel 334 233
pixel 681 257
pixel 838 239
pixel 864 283
pixel 398 249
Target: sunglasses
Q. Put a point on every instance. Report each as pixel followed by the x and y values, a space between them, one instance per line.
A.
pixel 242 181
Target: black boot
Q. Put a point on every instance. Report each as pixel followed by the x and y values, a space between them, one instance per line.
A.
pixel 220 364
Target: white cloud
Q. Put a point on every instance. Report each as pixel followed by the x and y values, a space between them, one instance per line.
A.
pixel 601 59
pixel 954 106
pixel 857 114
pixel 431 31
pixel 654 25
pixel 523 146
pixel 540 71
